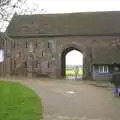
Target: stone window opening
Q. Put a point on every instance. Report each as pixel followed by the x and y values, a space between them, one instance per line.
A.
pixel 36 44
pixel 48 64
pixel 14 44
pixel 11 44
pixel 25 64
pixel 103 69
pixel 36 64
pixel 42 53
pixel 18 43
pixel 26 44
pixel 2 43
pixel 20 54
pixel 48 45
pixel 14 63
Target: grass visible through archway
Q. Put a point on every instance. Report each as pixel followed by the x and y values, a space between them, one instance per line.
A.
pixel 18 102
pixel 71 71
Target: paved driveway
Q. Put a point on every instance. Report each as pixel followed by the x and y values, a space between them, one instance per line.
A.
pixel 75 100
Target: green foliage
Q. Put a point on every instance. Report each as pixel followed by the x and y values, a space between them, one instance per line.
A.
pixel 71 71
pixel 18 102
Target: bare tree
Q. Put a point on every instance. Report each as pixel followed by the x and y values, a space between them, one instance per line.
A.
pixel 7 9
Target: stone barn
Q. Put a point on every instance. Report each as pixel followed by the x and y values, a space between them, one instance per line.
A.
pixel 38 43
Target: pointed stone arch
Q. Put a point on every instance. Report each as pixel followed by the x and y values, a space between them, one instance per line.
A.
pixel 63 50
pixel 67 50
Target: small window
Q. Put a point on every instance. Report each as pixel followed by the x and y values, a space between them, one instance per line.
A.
pixel 36 44
pixel 26 44
pixel 18 43
pixel 36 63
pixel 14 44
pixel 20 54
pixel 25 64
pixel 103 69
pixel 2 43
pixel 11 44
pixel 48 64
pixel 48 45
pixel 14 63
pixel 42 53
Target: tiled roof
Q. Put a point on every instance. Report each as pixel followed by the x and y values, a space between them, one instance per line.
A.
pixel 84 23
pixel 106 55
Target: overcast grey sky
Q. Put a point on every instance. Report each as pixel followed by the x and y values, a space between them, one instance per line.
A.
pixel 63 6
pixel 74 57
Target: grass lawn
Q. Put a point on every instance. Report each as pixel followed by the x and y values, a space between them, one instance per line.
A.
pixel 18 102
pixel 71 71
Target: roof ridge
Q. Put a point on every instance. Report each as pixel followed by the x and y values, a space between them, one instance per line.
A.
pixel 73 13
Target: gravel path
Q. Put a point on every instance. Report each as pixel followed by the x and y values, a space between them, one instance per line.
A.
pixel 75 100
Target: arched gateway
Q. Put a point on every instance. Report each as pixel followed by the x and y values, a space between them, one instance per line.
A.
pixel 63 59
pixel 67 48
pixel 39 43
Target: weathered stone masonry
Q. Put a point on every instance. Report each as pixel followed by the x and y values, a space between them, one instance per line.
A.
pixel 38 43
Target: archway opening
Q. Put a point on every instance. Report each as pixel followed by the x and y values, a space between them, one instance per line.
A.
pixel 72 64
